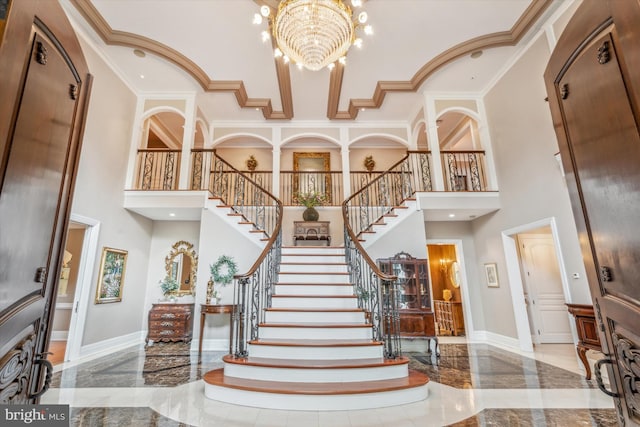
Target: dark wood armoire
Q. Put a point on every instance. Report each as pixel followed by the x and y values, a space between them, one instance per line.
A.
pixel 593 83
pixel 44 87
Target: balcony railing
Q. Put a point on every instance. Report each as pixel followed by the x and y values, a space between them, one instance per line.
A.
pixel 203 162
pixel 417 162
pixel 379 195
pixel 157 169
pixel 327 183
pixel 464 170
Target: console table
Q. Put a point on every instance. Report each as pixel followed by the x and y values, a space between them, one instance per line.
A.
pixel 206 309
pixel 311 231
pixel 588 338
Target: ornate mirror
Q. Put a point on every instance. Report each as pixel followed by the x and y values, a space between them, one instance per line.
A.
pixel 454 274
pixel 182 265
pixel 312 173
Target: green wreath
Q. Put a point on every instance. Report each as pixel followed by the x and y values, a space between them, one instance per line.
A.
pixel 223 270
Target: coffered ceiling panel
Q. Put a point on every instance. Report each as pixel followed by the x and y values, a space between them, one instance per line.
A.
pixel 211 47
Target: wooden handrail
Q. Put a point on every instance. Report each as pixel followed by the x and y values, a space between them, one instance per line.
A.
pixel 345 217
pixel 276 230
pixel 158 150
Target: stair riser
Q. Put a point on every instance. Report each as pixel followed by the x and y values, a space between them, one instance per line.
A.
pixel 313 317
pixel 315 375
pixel 313 290
pixel 314 353
pixel 314 302
pixel 313 259
pixel 267 332
pixel 318 250
pixel 313 278
pixel 336 402
pixel 303 268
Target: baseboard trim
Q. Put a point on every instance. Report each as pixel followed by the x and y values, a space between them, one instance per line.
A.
pixel 211 345
pixel 501 340
pixel 59 335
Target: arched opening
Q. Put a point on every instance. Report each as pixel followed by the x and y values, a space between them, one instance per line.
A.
pixel 160 152
pixel 462 156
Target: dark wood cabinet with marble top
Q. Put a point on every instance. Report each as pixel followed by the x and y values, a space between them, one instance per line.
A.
pixel 170 322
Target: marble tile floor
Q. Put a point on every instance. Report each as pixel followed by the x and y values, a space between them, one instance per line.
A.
pixel 472 384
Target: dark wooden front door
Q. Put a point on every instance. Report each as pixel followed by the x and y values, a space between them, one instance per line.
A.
pixel 41 112
pixel 592 81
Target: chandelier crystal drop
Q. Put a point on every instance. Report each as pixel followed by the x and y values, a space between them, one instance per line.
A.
pixel 315 33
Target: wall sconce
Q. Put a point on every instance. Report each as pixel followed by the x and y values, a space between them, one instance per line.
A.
pixel 443 265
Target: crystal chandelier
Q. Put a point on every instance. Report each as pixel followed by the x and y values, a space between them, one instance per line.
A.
pixel 314 33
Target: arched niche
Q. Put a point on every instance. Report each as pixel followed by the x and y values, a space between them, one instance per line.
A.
pixel 164 130
pixel 458 131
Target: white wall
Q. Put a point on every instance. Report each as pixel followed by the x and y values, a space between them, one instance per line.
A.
pixel 165 235
pixel 218 238
pixel 407 236
pixel 99 195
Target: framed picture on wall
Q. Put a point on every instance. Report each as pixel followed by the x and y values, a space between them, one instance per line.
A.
pixel 111 275
pixel 491 273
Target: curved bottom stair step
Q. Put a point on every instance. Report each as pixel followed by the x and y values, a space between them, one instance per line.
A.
pixel 315 370
pixel 316 396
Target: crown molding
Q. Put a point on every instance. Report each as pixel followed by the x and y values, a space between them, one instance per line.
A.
pixel 502 38
pixel 123 38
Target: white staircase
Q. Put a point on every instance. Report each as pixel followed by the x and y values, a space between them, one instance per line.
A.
pixel 388 222
pixel 315 350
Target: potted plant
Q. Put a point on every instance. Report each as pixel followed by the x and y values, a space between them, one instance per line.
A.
pixel 169 286
pixel 369 163
pixel 251 163
pixel 310 200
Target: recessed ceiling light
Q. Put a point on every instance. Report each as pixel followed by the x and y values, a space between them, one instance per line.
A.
pixel 139 53
pixel 142 76
pixel 476 54
pixel 172 214
pixel 452 215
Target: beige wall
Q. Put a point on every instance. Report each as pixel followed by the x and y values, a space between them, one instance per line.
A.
pixel 531 185
pixel 99 195
pixel 237 157
pixel 384 157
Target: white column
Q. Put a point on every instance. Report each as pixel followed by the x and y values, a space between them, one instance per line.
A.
pixel 485 140
pixel 346 169
pixel 187 142
pixel 437 180
pixel 276 139
pixel 136 142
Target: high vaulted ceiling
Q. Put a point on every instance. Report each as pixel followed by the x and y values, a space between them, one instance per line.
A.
pixel 211 47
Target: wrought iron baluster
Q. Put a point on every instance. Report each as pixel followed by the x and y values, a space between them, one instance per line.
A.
pixel 169 168
pixel 148 170
pixel 476 184
pixel 196 172
pixel 425 171
pixel 453 171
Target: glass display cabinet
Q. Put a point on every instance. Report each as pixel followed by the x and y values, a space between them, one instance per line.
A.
pixel 416 314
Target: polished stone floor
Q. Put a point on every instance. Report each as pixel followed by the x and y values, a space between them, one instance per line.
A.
pixel 472 384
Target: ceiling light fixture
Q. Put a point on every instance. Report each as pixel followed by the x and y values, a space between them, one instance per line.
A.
pixel 314 33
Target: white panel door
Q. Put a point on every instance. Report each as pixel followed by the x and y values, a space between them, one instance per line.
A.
pixel 548 314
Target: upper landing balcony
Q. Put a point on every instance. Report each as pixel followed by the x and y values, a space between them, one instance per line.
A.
pixel 458 185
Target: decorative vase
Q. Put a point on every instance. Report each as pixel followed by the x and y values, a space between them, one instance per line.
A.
pixel 310 214
pixel 446 295
pixel 209 291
